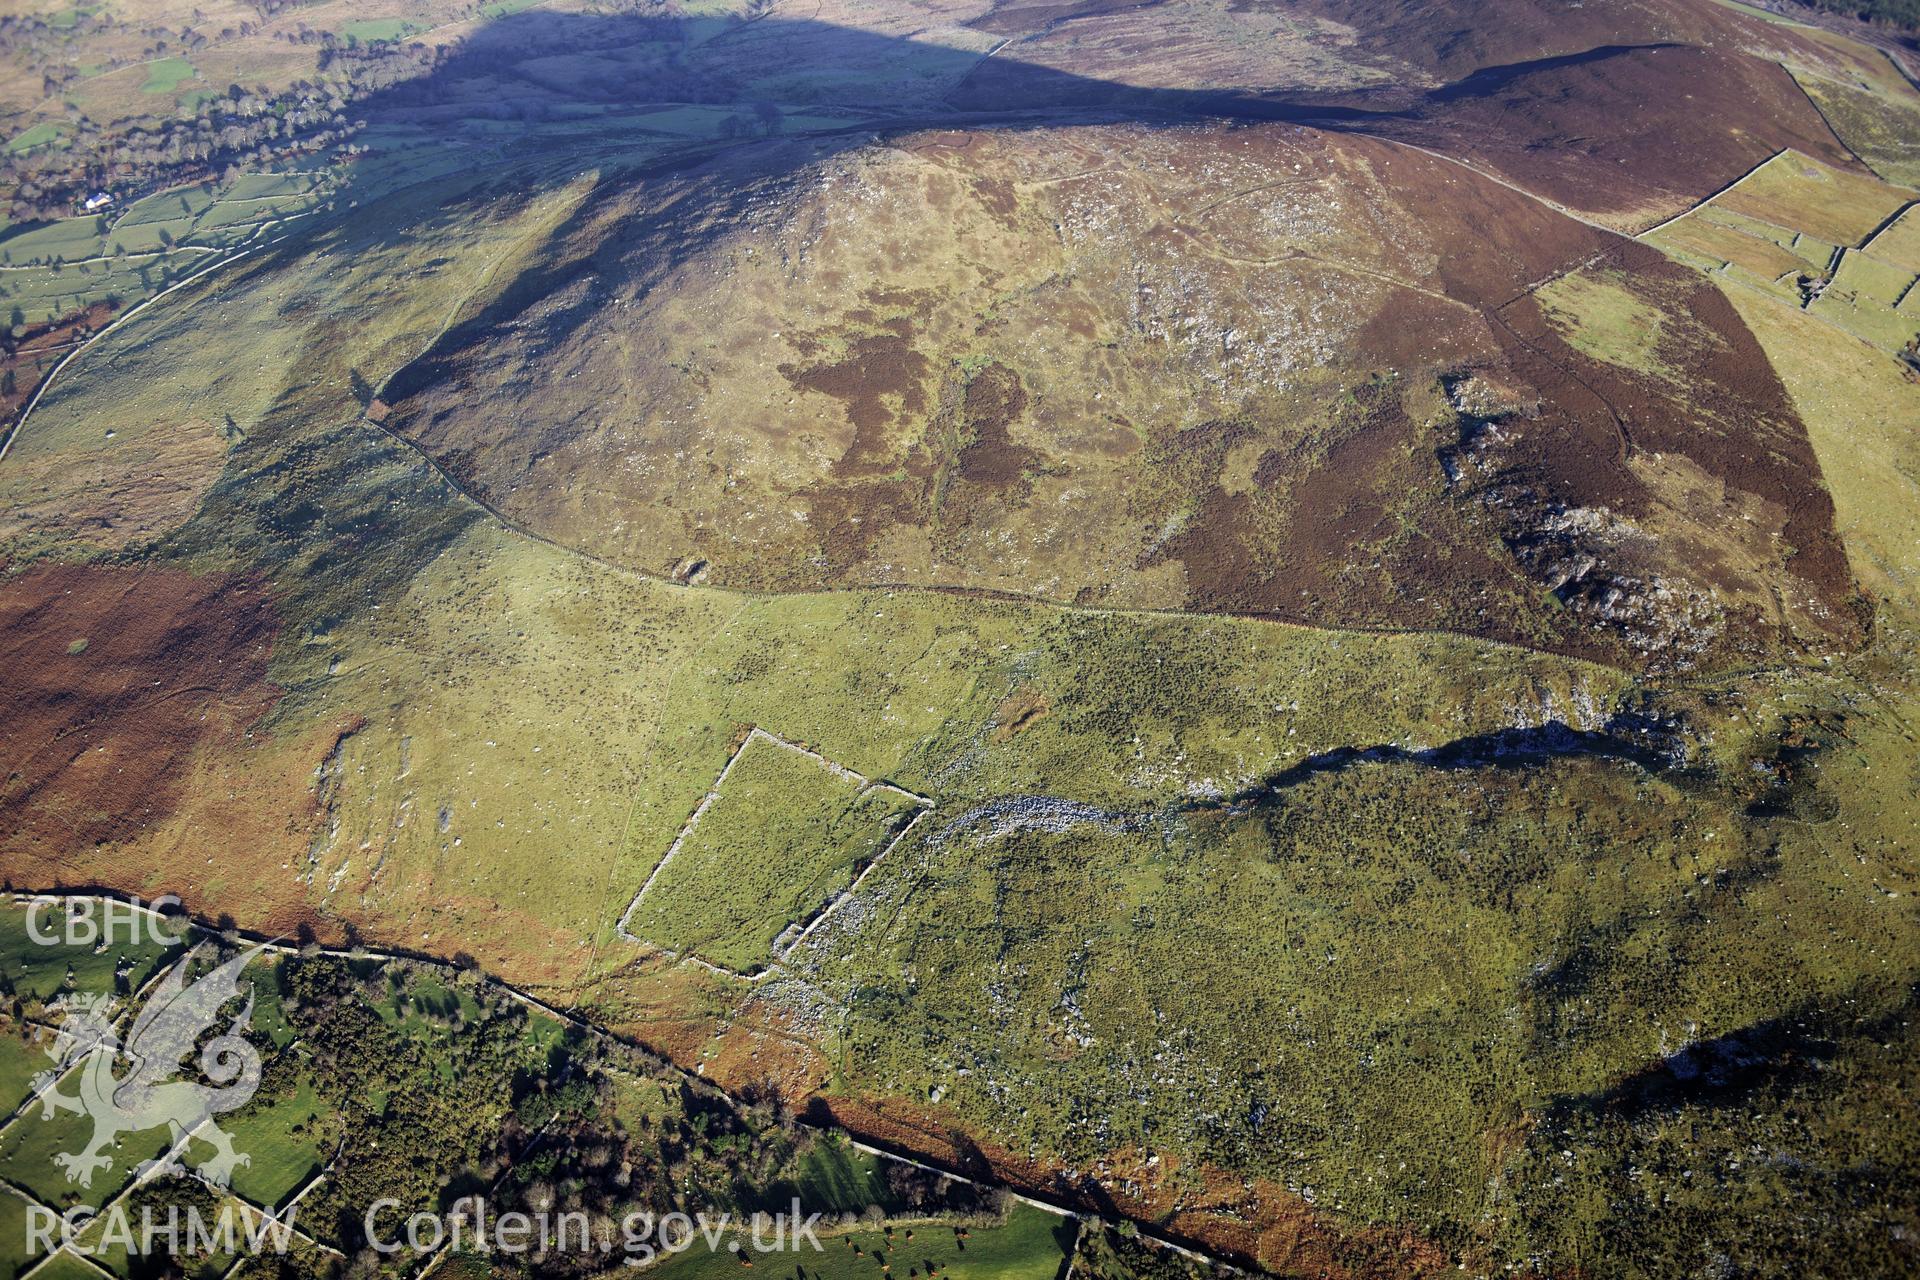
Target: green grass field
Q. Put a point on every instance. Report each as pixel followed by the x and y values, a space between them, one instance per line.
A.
pixel 52 270
pixel 1871 280
pixel 1792 190
pixel 22 1056
pixel 783 835
pixel 1899 243
pixel 1603 320
pixel 29 1145
pixel 38 135
pixel 833 1178
pixel 1882 325
pixel 167 75
pixel 836 1178
pixel 65 1266
pixel 41 972
pixel 1758 234
pixel 286 1135
pixel 16 1250
pixel 1031 1244
pixel 67 239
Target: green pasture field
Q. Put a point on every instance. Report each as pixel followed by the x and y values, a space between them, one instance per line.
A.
pixel 692 122
pixel 167 75
pixel 269 1011
pixel 1870 280
pixel 1602 319
pixel 1031 1244
pixel 65 1266
pixel 639 1102
pixel 782 836
pixel 42 972
pixel 132 255
pixel 155 238
pixel 426 1010
pixel 16 1250
pixel 46 295
pixel 286 1137
pixel 1883 326
pixel 29 1145
pixel 65 240
pixel 23 1055
pixel 1758 228
pixel 38 135
pixel 1793 190
pixel 263 186
pixel 175 204
pixel 1817 253
pixel 1899 243
pixel 834 1177
pixel 1762 261
pixel 228 220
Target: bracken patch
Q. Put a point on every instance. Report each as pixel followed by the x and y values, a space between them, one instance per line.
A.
pixel 116 678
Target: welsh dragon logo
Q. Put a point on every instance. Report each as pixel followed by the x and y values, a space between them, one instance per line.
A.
pixel 158 1046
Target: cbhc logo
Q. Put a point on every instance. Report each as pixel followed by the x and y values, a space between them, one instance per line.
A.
pixel 89 922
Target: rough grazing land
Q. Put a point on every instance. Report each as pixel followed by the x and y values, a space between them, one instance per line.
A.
pixel 781 835
pixel 1258 370
pixel 1546 906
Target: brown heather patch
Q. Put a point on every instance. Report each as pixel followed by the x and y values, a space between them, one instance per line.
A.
pixel 1609 135
pixel 1018 711
pixel 139 762
pixel 997 197
pixel 116 678
pixel 993 402
pixel 1452 41
pixel 763 1052
pixel 674 1009
pixel 848 517
pixel 853 508
pixel 1352 523
pixel 875 369
pixel 1714 399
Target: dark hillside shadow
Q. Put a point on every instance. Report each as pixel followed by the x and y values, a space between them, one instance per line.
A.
pixel 540 79
pixel 566 92
pixel 539 66
pixel 557 88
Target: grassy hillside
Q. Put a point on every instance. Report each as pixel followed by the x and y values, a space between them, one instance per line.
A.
pixel 1415 691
